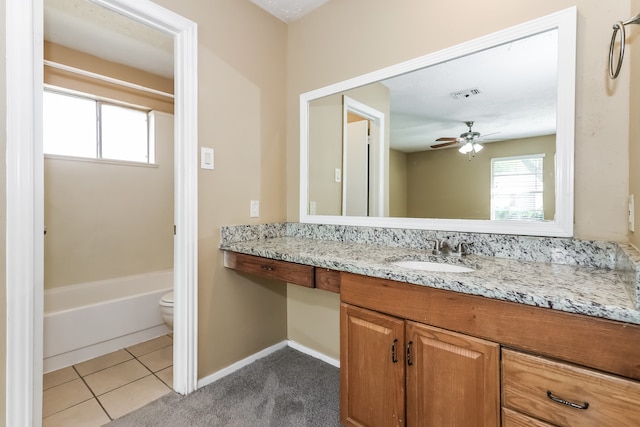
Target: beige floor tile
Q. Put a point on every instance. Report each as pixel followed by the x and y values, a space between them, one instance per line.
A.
pixel 116 376
pixel 166 375
pixel 58 377
pixel 150 346
pixel 102 362
pixel 86 414
pixel 159 359
pixel 132 396
pixel 64 396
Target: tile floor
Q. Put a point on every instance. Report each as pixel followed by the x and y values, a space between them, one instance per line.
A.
pixel 99 390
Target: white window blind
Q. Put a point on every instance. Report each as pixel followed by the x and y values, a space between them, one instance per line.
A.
pixel 517 188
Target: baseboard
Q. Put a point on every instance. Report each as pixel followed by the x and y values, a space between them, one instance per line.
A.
pixel 313 353
pixel 263 353
pixel 240 364
pixel 73 357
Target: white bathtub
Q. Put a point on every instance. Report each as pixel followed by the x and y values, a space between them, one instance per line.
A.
pixel 88 320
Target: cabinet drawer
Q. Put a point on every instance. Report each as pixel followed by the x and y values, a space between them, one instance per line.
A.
pixel 567 395
pixel 515 419
pixel 328 280
pixel 282 270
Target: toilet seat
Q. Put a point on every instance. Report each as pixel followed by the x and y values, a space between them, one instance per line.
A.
pixel 167 300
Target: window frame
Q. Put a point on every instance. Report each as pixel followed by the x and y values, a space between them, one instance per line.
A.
pixel 99 103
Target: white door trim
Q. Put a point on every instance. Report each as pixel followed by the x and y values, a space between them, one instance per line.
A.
pixel 378 153
pixel 25 199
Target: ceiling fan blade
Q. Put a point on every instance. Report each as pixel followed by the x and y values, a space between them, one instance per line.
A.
pixel 446 139
pixel 445 144
pixel 484 135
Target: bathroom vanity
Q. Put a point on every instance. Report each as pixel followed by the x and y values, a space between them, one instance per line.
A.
pixel 526 331
pixel 511 343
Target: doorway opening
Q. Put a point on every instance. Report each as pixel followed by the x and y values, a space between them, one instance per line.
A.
pixel 364 160
pixel 25 212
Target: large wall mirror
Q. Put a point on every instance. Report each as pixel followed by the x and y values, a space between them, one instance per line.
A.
pixel 478 137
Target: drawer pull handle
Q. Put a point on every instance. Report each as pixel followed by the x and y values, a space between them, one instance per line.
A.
pixel 394 359
pixel 267 268
pixel 584 406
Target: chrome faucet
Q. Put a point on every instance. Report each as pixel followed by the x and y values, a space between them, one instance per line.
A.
pixel 441 248
pixel 460 249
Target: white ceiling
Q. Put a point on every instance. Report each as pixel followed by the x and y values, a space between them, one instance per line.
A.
pixel 87 27
pixel 289 10
pixel 518 90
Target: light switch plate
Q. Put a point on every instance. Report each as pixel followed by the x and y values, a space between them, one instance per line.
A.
pixel 254 209
pixel 632 214
pixel 206 158
pixel 338 175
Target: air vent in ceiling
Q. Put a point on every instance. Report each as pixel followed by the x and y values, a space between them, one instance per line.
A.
pixel 467 93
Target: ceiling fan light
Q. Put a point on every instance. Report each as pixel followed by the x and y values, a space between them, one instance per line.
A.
pixel 477 147
pixel 466 148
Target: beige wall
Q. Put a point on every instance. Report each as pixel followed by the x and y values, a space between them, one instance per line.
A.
pixel 242 75
pixel 86 62
pixel 109 219
pixel 325 143
pixel 397 183
pixel 446 184
pixel 396 31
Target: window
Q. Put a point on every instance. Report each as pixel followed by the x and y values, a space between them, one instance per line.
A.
pixel 80 126
pixel 517 188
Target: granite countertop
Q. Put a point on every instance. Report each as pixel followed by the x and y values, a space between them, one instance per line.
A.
pixel 598 292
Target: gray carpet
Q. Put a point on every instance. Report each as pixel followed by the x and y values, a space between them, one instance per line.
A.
pixel 286 388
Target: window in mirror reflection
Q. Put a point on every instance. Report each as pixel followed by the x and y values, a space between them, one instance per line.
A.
pixel 517 188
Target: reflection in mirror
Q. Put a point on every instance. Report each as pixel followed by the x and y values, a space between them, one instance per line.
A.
pixel 507 97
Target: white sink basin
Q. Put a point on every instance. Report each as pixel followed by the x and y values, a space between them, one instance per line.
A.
pixel 433 266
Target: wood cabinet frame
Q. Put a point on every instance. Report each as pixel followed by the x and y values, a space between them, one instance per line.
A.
pixel 602 344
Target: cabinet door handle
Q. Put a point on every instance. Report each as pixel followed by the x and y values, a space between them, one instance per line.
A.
pixel 394 359
pixel 409 361
pixel 267 267
pixel 584 406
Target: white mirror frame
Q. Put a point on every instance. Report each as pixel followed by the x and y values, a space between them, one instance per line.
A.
pixel 565 22
pixel 25 202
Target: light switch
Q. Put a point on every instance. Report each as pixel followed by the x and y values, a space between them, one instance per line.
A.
pixel 206 158
pixel 338 175
pixel 254 209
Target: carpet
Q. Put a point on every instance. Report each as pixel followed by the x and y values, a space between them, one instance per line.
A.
pixel 286 388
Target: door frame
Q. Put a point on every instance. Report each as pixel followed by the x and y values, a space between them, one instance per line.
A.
pixel 378 151
pixel 25 199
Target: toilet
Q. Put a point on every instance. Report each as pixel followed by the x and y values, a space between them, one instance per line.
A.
pixel 166 309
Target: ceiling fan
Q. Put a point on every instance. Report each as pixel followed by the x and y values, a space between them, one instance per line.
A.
pixel 468 138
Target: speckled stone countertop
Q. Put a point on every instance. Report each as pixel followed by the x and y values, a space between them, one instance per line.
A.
pixel 593 291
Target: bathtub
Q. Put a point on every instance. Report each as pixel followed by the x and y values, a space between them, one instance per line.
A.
pixel 92 319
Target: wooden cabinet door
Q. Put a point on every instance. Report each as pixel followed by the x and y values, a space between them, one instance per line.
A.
pixel 453 380
pixel 371 368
